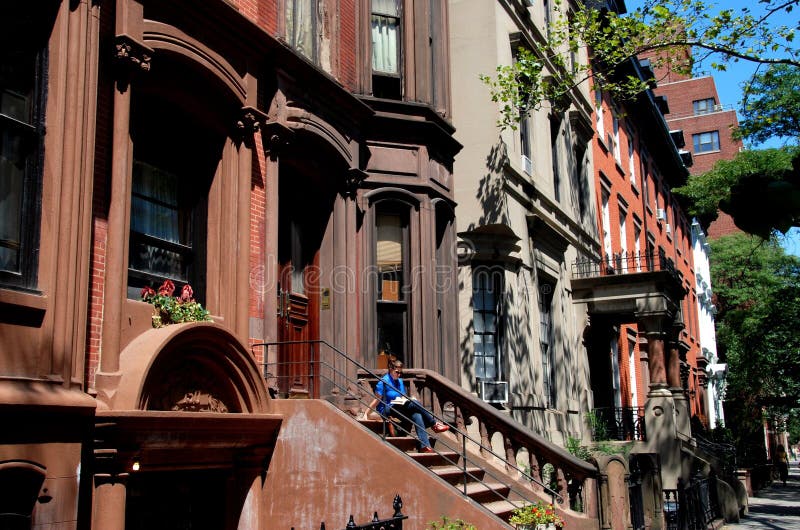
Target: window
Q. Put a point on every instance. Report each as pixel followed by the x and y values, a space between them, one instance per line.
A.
pixel 301 27
pixel 23 63
pixel 606 224
pixel 705 142
pixel 546 340
pixel 162 238
pixel 598 109
pixel 487 285
pixel 634 397
pixel 617 155
pixel 580 179
pixel 637 244
pixel 623 235
pixel 631 160
pixel 386 32
pixel 391 260
pixel 703 106
pixel 547 17
pixel 615 374
pixel 555 129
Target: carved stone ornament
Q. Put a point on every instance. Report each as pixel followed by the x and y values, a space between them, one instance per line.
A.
pixel 131 54
pixel 352 181
pixel 250 121
pixel 199 401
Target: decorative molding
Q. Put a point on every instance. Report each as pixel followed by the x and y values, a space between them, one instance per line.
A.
pixel 250 121
pixel 199 401
pixel 131 55
pixel 352 181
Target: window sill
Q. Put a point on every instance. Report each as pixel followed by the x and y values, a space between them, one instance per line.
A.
pixel 34 301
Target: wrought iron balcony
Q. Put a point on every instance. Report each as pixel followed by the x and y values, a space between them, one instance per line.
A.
pixel 623 263
pixel 625 285
pixel 619 423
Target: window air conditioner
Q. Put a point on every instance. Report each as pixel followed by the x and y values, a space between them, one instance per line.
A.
pixel 527 165
pixel 668 229
pixel 493 391
pixel 661 214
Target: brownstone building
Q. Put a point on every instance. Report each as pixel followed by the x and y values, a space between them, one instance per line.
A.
pixel 292 162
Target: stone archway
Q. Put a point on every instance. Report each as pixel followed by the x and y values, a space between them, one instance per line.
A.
pixel 188 434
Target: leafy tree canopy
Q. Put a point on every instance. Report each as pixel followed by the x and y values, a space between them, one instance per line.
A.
pixel 760 189
pixel 757 290
pixel 771 106
pixel 669 28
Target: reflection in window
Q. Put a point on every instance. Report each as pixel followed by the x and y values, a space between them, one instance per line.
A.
pixel 390 258
pixel 487 284
pixel 22 67
pixel 301 24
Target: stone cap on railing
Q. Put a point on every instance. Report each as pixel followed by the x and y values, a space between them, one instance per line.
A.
pixel 518 434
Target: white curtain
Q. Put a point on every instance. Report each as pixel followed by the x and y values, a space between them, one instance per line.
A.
pixel 385 36
pixel 300 18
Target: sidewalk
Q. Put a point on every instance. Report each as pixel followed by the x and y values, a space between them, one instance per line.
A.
pixel 776 507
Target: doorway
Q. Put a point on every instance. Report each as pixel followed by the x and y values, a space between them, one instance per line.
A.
pixel 176 500
pixel 302 220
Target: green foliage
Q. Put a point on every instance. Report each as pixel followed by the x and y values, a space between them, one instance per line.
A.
pixel 666 27
pixel 757 289
pixel 760 189
pixel 771 107
pixel 450 524
pixel 171 309
pixel 598 426
pixel 576 449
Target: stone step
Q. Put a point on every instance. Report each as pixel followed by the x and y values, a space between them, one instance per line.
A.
pixel 455 474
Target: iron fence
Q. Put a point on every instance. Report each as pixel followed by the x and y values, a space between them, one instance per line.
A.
pixel 619 423
pixel 623 263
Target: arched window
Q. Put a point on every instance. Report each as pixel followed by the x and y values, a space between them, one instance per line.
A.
pixel 392 264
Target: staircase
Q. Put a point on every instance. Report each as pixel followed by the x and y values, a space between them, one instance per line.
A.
pixel 470 480
pixel 501 465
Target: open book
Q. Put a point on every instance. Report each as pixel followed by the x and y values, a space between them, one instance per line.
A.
pixel 399 400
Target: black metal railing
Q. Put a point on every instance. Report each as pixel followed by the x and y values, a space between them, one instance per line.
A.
pixel 619 423
pixel 334 376
pixel 691 506
pixel 395 522
pixel 723 455
pixel 623 263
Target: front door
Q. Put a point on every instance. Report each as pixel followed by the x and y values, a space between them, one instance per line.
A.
pixel 298 293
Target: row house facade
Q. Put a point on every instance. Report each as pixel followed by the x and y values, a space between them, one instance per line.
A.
pixel 291 161
pixel 525 213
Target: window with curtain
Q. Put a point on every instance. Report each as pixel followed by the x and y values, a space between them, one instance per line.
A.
pixel 391 256
pixel 161 234
pixel 23 60
pixel 301 26
pixel 487 285
pixel 546 340
pixel 386 33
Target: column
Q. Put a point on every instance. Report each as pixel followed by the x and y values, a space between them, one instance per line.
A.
pixel 110 496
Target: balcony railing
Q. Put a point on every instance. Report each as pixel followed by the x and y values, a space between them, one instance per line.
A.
pixel 623 263
pixel 619 423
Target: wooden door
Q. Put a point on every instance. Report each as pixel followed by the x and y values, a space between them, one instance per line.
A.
pixel 298 310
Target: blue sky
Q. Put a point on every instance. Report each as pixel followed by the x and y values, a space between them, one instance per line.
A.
pixel 729 88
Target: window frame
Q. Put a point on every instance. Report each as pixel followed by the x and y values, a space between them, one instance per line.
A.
pixel 290 30
pixel 497 279
pixel 698 144
pixel 31 132
pixel 703 106
pixel 546 301
pixel 403 304
pixel 388 85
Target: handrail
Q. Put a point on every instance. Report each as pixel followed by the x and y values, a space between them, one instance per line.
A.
pixel 515 436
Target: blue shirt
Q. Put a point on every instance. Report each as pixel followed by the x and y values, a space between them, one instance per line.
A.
pixel 389 389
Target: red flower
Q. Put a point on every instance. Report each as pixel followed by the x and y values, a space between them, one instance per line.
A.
pixel 187 295
pixel 167 288
pixel 147 292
